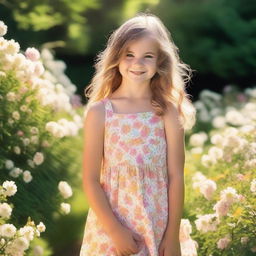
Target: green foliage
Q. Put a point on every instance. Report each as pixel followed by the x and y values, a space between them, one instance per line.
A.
pixel 216 36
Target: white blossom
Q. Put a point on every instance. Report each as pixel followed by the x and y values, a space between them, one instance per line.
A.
pixel 11 96
pixel 38 158
pixel 207 222
pixel 253 186
pixel 41 227
pixel 65 189
pixel 15 172
pixel 27 177
pixel 9 164
pixel 3 28
pixel 65 208
pixel 27 232
pixel 16 115
pixel 5 210
pixel 10 188
pixel 7 230
pixel 219 122
pixel 32 54
pixel 17 150
pixel 198 139
pixel 38 250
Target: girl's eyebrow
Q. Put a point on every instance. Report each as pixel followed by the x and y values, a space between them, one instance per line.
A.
pixel 145 52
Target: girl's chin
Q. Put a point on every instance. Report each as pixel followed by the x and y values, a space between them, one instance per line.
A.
pixel 137 80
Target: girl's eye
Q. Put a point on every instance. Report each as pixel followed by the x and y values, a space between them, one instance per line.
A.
pixel 128 54
pixel 149 56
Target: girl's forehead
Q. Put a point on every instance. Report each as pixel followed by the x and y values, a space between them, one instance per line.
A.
pixel 145 43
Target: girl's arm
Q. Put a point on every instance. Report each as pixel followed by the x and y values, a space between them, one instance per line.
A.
pixel 175 162
pixel 92 159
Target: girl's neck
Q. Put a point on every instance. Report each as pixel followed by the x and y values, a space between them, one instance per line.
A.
pixel 133 91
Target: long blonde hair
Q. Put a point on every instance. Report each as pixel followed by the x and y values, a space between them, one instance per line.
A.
pixel 168 83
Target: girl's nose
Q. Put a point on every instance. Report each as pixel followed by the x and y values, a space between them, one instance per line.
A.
pixel 138 61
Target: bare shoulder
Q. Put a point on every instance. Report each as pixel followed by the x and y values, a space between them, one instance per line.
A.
pixel 93 141
pixel 171 118
pixel 96 113
pixel 175 142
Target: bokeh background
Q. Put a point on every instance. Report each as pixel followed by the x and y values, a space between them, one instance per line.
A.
pixel 217 38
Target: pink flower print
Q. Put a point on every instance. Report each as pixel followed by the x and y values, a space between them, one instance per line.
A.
pixel 125 128
pixel 115 122
pixel 145 202
pixel 154 119
pixel 151 141
pixel 145 149
pixel 136 141
pixel 123 211
pixel 100 232
pixel 132 116
pixel 109 113
pixel 149 190
pixel 139 159
pixel 151 174
pixel 114 138
pixel 119 155
pixel 138 212
pixel 103 247
pixel 158 205
pixel 133 151
pixel 145 131
pixel 161 184
pixel 134 223
pixel 159 132
pixel 113 250
pixel 155 159
pixel 124 146
pixel 137 124
pixel 128 199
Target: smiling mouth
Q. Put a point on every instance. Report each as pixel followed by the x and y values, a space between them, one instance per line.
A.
pixel 137 72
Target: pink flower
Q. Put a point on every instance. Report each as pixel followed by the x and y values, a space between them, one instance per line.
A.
pixel 241 97
pixel 223 242
pixel 32 54
pixel 145 131
pixel 154 119
pixel 145 149
pixel 207 188
pixel 241 198
pixel 139 159
pixel 185 230
pixel 240 176
pixel 221 208
pixel 133 151
pixel 20 133
pixel 137 124
pixel 159 132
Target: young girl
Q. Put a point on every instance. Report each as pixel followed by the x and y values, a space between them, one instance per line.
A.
pixel 133 156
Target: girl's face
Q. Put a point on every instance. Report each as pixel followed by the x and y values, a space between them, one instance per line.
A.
pixel 139 61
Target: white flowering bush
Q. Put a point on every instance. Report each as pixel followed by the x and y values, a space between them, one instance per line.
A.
pixel 39 126
pixel 232 107
pixel 13 240
pixel 221 177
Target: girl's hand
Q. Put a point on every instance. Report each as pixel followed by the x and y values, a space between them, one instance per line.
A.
pixel 169 247
pixel 126 241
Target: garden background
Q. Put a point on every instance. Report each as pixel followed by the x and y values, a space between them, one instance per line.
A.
pixel 42 206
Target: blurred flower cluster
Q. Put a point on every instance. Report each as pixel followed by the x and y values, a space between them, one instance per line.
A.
pixel 36 110
pixel 222 168
pixel 14 241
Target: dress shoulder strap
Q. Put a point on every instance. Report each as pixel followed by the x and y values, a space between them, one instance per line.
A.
pixel 108 106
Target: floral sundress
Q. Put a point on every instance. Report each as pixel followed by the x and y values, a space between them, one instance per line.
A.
pixel 134 179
